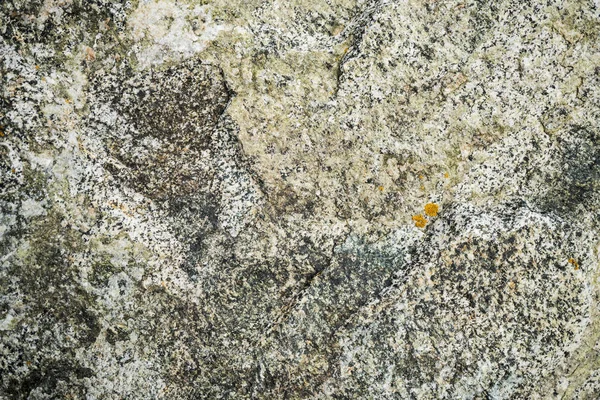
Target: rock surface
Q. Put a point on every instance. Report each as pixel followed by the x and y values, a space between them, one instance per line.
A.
pixel 325 199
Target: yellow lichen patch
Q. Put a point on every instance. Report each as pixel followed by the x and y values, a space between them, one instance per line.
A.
pixel 574 262
pixel 381 188
pixel 446 175
pixel 431 209
pixel 420 221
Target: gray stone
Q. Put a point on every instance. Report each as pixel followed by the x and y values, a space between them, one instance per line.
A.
pixel 333 199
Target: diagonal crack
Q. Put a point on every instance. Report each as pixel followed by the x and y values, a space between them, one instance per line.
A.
pixel 355 31
pixel 305 287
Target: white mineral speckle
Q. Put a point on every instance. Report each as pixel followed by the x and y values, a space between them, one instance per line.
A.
pixel 32 208
pixel 171 30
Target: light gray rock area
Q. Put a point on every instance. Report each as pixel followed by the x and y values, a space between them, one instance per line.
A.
pixel 299 199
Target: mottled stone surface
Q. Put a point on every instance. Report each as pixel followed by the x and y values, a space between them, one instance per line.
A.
pixel 306 199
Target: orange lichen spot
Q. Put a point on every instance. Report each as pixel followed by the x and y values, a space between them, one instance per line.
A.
pixel 574 263
pixel 380 188
pixel 512 285
pixel 431 209
pixel 420 221
pixel 421 176
pixel 13 171
pixel 446 175
pixel 37 67
pixel 422 187
pixel 68 101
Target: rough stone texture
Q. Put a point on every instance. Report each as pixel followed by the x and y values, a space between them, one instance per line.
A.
pixel 225 199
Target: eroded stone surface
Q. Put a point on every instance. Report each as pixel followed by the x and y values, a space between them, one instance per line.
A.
pixel 237 199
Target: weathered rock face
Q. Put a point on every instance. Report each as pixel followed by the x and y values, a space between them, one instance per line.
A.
pixel 308 199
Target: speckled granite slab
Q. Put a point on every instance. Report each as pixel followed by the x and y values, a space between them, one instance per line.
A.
pixel 302 199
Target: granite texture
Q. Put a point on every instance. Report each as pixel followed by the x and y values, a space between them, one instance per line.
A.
pixel 304 199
